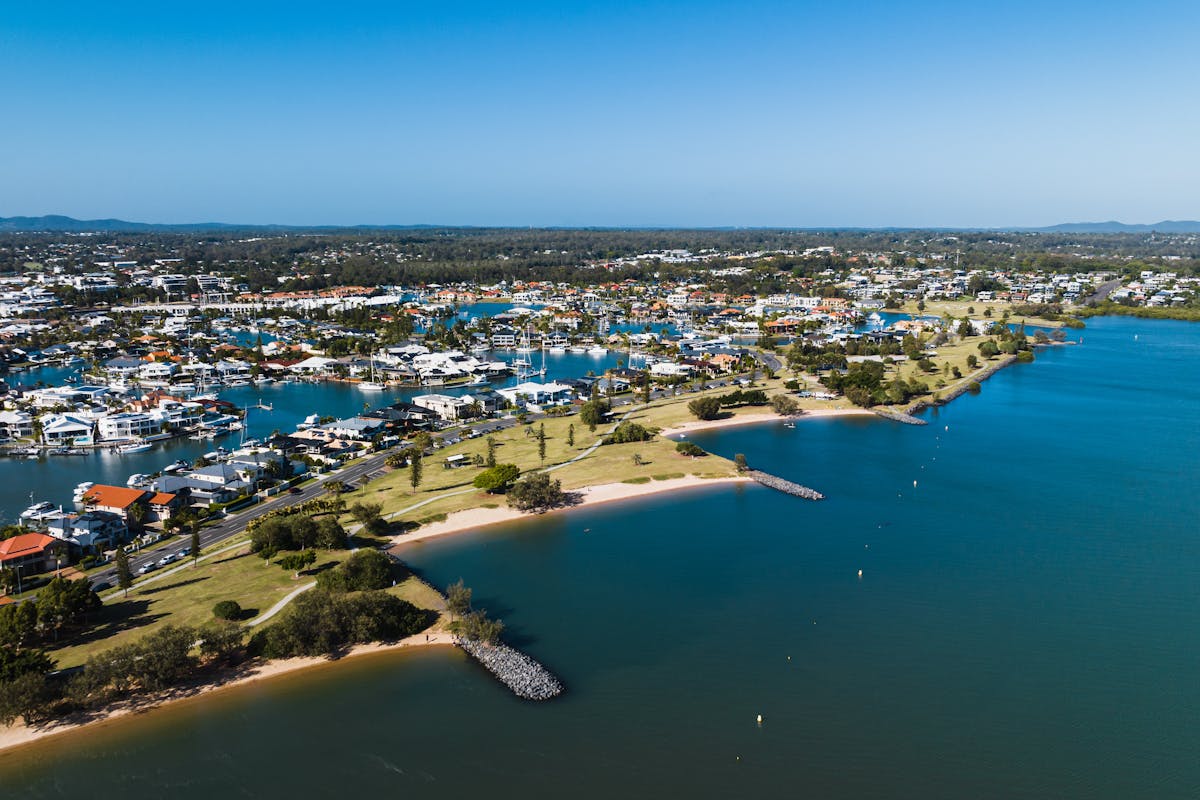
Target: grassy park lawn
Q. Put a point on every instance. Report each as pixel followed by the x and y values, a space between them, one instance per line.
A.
pixel 607 464
pixel 960 309
pixel 187 598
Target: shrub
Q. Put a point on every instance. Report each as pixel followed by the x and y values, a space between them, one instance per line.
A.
pixel 690 449
pixel 227 609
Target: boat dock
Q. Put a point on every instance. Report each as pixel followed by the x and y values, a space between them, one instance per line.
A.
pixel 785 486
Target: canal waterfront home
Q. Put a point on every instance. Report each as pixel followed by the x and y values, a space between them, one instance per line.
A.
pixel 32 552
pixel 90 531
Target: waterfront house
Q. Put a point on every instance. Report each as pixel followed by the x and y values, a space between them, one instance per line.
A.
pixel 15 424
pixel 32 553
pixel 91 531
pixel 66 429
pixel 446 407
pixel 119 500
pixel 537 395
pixel 128 425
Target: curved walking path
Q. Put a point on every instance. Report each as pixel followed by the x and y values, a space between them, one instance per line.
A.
pixel 283 601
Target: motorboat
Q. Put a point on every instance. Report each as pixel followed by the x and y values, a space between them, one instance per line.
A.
pixel 134 447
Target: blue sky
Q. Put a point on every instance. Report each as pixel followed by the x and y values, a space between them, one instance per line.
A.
pixel 602 113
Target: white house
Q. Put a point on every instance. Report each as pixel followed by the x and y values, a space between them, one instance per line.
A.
pixel 65 429
pixel 530 394
pixel 128 425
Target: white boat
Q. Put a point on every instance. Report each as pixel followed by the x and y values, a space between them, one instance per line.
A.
pixel 372 385
pixel 597 350
pixel 137 479
pixel 558 350
pixel 478 379
pixel 525 349
pixel 134 447
pixel 578 349
pixel 38 511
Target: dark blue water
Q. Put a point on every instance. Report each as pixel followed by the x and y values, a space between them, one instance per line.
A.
pixel 1026 625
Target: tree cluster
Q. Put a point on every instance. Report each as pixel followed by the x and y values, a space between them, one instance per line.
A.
pixel 629 431
pixel 364 570
pixel 296 532
pixel 323 623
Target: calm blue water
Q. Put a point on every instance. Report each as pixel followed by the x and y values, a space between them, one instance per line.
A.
pixel 1026 625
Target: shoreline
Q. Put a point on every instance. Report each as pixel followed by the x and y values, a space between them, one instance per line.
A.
pixel 473 518
pixel 767 416
pixel 21 735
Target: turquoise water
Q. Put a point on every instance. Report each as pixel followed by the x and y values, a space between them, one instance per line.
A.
pixel 1026 625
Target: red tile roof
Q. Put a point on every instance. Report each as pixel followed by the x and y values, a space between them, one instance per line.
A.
pixel 113 496
pixel 27 544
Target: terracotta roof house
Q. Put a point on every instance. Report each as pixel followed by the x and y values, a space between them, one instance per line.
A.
pixel 33 552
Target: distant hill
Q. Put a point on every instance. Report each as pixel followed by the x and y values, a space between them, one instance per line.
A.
pixel 59 223
pixel 56 223
pixel 1166 226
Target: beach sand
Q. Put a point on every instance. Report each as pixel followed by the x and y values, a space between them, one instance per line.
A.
pixel 473 518
pixel 748 419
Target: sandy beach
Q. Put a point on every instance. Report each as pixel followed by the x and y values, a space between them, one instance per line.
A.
pixel 21 734
pixel 768 416
pixel 473 518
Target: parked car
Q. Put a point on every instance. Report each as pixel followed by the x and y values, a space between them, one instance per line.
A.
pixel 100 586
pixel 149 566
pixel 169 558
pixel 295 490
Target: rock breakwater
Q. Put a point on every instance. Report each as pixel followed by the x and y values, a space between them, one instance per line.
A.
pixel 524 676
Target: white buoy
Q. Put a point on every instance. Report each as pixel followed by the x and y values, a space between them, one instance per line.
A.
pixel 760 719
pixel 914 484
pixel 947 427
pixel 860 573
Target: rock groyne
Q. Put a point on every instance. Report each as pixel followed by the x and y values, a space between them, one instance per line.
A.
pixel 527 679
pixel 899 416
pixel 785 486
